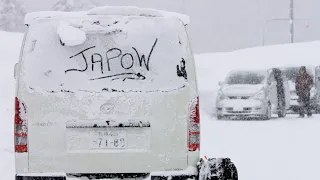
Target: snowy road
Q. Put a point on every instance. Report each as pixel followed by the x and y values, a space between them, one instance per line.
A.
pixel 279 149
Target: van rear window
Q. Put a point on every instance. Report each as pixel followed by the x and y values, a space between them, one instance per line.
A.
pixel 119 54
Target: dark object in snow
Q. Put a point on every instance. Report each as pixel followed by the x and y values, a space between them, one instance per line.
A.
pixel 62 43
pixel 304 101
pixel 304 83
pixel 217 169
pixel 181 70
pixel 280 92
pixel 96 22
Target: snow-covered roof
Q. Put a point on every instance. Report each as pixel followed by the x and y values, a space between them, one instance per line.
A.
pixel 108 10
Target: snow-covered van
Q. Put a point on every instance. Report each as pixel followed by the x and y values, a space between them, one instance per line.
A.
pixel 107 93
pixel 253 93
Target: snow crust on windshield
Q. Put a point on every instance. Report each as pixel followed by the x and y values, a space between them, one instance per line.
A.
pixel 135 11
pixel 108 10
pixel 123 54
pixel 69 35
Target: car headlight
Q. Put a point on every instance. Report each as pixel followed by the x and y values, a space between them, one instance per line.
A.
pixel 259 96
pixel 220 96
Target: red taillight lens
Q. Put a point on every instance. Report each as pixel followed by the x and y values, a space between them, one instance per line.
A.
pixel 20 127
pixel 194 126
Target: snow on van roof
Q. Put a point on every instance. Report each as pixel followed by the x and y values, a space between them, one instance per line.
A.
pixel 108 10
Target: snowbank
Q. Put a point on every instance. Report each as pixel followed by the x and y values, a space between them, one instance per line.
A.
pixel 9 54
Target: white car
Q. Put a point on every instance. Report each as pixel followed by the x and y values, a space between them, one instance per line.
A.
pixel 253 93
pixel 111 92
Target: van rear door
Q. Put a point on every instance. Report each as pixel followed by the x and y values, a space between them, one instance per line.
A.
pixel 118 103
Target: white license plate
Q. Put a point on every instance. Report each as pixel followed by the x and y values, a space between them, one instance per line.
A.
pixel 237 108
pixel 109 140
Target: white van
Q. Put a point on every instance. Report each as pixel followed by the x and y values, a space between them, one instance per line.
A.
pixel 252 94
pixel 111 92
pixel 106 93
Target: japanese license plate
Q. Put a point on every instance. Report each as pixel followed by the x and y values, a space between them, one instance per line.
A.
pixel 108 140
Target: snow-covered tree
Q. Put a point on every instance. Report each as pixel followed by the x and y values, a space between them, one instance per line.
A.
pixel 64 5
pixel 11 16
pixel 73 5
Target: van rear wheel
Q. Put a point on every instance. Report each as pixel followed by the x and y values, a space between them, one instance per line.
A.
pixel 217 169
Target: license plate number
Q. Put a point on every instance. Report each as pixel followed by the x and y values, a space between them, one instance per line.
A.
pixel 109 140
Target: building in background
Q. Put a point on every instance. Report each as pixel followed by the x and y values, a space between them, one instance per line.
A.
pixel 226 25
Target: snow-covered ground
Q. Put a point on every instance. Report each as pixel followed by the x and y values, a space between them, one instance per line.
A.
pixel 279 149
pixel 9 53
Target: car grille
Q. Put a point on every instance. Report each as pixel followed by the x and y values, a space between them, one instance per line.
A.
pixel 239 97
pixel 245 110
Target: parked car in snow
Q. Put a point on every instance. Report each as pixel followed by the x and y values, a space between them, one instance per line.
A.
pixel 291 74
pixel 253 93
pixel 108 93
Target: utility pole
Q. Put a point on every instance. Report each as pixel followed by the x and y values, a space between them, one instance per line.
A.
pixel 291 16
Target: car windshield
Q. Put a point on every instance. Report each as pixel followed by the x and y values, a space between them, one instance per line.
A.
pixel 246 77
pixel 293 72
pixel 119 54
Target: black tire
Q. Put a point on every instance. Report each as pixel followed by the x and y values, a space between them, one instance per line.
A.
pixel 230 171
pixel 219 117
pixel 223 168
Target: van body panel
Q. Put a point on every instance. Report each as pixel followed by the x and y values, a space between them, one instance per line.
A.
pixel 80 126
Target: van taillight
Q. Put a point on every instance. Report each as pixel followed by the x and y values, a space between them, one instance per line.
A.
pixel 194 126
pixel 20 127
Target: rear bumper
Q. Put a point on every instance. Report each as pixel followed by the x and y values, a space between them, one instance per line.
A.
pixel 182 177
pixel 189 173
pixel 40 177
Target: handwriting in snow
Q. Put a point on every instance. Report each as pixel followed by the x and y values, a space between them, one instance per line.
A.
pixel 127 60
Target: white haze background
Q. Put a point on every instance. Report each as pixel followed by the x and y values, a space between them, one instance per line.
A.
pixel 217 25
pixel 278 149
